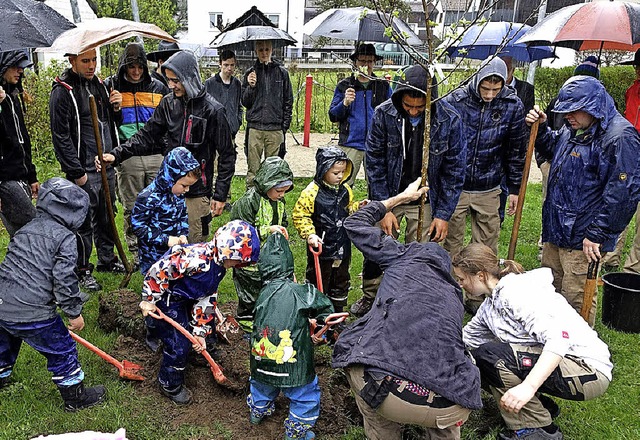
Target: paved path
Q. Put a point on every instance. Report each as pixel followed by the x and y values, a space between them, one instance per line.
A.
pixel 303 162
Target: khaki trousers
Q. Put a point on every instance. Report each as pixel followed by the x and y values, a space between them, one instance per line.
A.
pixel 386 422
pixel 569 268
pixel 573 379
pixel 357 159
pixel 199 213
pixel 633 260
pixel 261 143
pixel 132 176
pixel 485 221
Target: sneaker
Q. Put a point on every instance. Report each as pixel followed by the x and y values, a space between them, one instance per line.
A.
pixel 361 307
pixel 114 267
pixel 531 434
pixel 86 281
pixel 550 405
pixel 180 394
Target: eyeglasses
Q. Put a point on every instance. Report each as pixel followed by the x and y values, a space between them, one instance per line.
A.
pixel 366 61
pixel 172 80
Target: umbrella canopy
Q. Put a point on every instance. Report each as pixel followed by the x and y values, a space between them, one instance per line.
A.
pixel 358 24
pixel 483 40
pixel 29 23
pixel 243 37
pixel 607 25
pixel 91 34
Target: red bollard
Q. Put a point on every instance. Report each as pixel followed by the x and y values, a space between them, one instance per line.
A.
pixel 307 110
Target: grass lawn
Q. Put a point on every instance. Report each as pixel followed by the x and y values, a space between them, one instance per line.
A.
pixel 31 405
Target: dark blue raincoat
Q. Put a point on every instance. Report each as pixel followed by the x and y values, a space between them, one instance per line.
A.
pixel 594 180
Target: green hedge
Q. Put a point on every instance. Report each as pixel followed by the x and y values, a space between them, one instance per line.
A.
pixel 616 79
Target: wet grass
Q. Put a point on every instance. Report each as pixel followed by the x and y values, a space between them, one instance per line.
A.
pixel 31 406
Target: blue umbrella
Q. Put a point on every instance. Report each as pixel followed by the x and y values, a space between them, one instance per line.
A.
pixel 480 41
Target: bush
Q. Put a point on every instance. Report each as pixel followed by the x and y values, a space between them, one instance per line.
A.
pixel 616 79
pixel 37 89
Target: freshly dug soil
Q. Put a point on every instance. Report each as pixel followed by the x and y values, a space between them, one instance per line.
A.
pixel 119 313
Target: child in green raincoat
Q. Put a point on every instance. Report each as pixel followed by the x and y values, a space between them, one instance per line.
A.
pixel 262 206
pixel 281 344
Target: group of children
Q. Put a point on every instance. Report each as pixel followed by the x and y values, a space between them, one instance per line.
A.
pixel 182 279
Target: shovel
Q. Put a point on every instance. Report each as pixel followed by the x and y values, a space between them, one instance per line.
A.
pixel 128 370
pixel 332 319
pixel 218 375
pixel 316 263
pixel 225 324
pixel 590 286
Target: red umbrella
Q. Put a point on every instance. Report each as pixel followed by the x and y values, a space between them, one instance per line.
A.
pixel 608 25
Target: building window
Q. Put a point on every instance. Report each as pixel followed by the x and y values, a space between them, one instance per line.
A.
pixel 275 19
pixel 215 20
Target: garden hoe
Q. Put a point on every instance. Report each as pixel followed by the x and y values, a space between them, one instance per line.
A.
pixel 156 313
pixel 128 370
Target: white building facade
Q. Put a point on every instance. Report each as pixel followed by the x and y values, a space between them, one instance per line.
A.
pixel 204 17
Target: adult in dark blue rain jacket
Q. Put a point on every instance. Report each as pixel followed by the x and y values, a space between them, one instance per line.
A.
pixel 594 183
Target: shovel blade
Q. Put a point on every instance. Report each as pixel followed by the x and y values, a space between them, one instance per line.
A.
pixel 130 371
pixel 227 325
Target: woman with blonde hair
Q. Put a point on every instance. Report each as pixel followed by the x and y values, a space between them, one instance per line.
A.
pixel 526 340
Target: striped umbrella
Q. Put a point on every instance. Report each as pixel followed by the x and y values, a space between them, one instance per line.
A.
pixel 600 25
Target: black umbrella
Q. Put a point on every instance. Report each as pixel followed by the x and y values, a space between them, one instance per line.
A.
pixel 359 24
pixel 29 24
pixel 244 37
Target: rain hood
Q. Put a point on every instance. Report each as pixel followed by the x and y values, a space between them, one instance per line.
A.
pixel 494 66
pixel 64 201
pixel 588 94
pixel 176 164
pixel 276 259
pixel 325 158
pixel 8 59
pixel 133 53
pixel 415 77
pixel 272 171
pixel 185 66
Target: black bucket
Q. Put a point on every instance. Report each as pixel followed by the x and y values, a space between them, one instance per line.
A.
pixel 621 301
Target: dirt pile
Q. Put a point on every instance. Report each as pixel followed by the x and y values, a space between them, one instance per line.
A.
pixel 119 313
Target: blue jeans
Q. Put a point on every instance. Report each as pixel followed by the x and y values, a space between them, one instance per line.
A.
pixel 304 409
pixel 49 338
